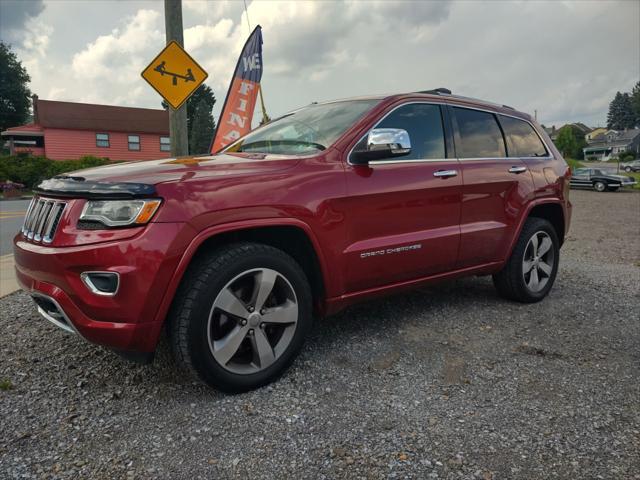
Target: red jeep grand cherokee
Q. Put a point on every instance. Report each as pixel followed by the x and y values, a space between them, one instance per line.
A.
pixel 328 205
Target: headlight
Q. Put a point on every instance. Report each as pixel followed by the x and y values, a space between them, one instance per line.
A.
pixel 119 213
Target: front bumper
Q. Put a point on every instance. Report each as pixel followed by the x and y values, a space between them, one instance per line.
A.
pixel 125 321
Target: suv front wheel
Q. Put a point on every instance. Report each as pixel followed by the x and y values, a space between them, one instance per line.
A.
pixel 241 316
pixel 531 270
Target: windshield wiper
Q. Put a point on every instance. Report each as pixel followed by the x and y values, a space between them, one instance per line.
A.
pixel 270 143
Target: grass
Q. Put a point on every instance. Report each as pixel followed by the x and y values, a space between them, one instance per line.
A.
pixel 573 163
pixel 635 175
pixel 5 384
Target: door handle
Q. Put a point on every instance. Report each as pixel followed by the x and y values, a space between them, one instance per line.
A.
pixel 517 169
pixel 445 173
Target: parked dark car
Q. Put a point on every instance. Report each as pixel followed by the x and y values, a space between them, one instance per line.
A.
pixel 600 180
pixel 633 166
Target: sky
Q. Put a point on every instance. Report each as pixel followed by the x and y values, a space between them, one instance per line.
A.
pixel 565 59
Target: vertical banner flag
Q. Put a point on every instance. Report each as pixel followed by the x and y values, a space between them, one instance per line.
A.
pixel 237 111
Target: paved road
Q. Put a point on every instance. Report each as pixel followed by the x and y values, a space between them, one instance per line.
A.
pixel 11 216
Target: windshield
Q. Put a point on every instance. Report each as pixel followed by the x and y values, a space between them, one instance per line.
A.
pixel 308 130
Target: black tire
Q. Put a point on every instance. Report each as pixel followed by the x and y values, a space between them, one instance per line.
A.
pixel 599 186
pixel 188 321
pixel 510 281
pixel 627 169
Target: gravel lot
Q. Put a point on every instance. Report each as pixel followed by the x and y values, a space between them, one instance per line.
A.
pixel 446 382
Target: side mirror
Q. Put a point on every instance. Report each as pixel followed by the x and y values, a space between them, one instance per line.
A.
pixel 382 143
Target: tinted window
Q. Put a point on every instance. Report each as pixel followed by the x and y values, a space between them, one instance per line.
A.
pixel 423 122
pixel 480 135
pixel 522 140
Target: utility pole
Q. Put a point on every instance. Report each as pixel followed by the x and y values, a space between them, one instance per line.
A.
pixel 177 118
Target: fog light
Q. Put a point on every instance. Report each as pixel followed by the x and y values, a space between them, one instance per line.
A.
pixel 101 283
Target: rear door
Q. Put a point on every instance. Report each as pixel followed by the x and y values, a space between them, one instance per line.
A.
pixel 403 214
pixel 496 188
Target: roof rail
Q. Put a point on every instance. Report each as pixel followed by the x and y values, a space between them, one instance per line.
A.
pixel 437 91
pixel 446 91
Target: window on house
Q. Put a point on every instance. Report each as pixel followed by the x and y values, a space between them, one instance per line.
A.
pixel 165 144
pixel 102 140
pixel 134 142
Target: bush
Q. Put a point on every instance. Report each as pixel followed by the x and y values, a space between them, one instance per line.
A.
pixel 30 171
pixel 573 163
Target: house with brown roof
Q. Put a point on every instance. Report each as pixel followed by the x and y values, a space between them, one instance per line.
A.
pixel 67 130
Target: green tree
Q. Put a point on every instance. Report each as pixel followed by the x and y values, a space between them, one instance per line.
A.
pixel 203 93
pixel 635 103
pixel 566 141
pixel 14 93
pixel 621 112
pixel 201 130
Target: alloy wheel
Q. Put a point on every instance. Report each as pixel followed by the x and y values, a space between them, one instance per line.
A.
pixel 600 186
pixel 252 321
pixel 538 262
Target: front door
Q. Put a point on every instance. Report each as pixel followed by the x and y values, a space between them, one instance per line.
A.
pixel 403 213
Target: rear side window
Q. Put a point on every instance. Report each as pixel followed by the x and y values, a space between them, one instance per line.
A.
pixel 423 123
pixel 522 140
pixel 480 135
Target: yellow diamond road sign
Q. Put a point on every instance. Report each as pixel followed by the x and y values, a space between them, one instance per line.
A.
pixel 174 74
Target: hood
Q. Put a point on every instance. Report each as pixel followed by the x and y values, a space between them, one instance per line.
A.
pixel 153 172
pixel 139 179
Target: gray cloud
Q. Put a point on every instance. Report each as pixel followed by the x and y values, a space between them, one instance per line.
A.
pixel 14 14
pixel 532 55
pixel 415 14
pixel 317 37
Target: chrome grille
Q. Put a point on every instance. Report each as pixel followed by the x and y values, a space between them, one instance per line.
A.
pixel 42 219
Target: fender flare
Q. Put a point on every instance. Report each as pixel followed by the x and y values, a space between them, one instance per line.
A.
pixel 212 231
pixel 525 215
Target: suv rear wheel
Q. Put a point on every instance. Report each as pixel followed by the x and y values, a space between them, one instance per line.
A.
pixel 241 316
pixel 531 270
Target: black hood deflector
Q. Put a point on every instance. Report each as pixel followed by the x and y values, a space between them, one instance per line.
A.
pixel 79 187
